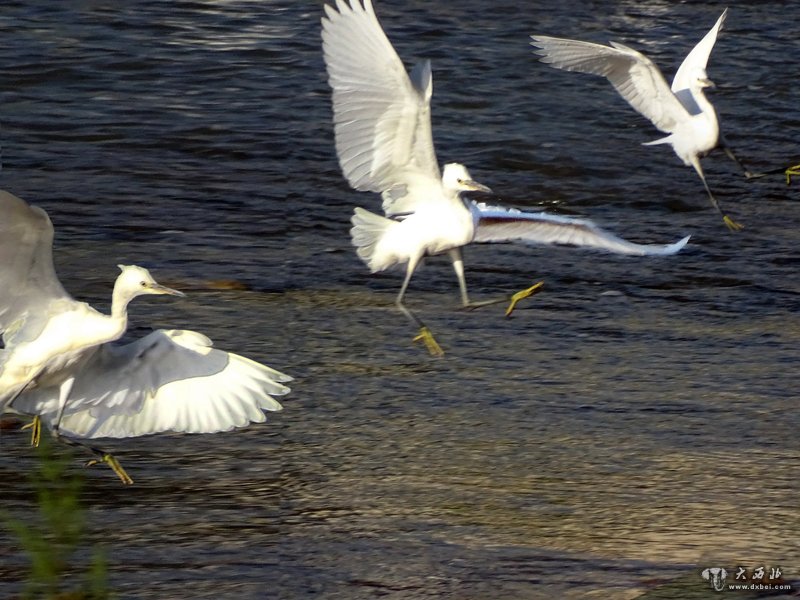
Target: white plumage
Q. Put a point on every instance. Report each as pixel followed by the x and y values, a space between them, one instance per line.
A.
pixel 500 224
pixel 382 126
pixel 169 380
pixel 59 362
pixel 681 110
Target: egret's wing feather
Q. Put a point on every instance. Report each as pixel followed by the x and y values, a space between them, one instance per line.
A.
pixel 381 115
pixel 28 281
pixel 167 381
pixel 633 75
pixel 498 224
pixel 698 57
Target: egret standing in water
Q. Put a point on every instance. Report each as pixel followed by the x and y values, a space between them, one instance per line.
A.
pixel 59 364
pixel 683 111
pixel 384 143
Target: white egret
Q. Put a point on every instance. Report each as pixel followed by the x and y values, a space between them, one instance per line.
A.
pixel 384 144
pixel 59 364
pixel 682 111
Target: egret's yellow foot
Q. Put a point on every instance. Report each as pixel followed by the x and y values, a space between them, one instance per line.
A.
pixel 536 287
pixel 36 431
pixel 115 466
pixel 431 344
pixel 732 225
pixel 792 171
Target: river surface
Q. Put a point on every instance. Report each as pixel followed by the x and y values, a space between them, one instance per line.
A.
pixel 633 424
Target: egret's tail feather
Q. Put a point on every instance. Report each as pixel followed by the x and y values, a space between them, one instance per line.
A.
pixel 367 231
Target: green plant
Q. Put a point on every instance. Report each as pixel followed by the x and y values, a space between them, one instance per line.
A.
pixel 55 532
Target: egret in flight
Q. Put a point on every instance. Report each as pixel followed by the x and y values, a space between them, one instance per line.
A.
pixel 384 143
pixel 683 111
pixel 59 363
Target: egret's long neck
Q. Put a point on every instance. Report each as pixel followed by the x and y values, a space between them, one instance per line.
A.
pixel 705 106
pixel 119 307
pixel 705 124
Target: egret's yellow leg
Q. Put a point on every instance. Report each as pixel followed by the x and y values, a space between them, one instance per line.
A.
pixel 36 431
pixel 430 342
pixel 114 464
pixel 102 457
pixel 521 295
pixel 792 171
pixel 425 334
pixel 513 299
pixel 747 172
pixel 732 225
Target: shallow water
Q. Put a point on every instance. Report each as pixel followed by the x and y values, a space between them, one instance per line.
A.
pixel 631 425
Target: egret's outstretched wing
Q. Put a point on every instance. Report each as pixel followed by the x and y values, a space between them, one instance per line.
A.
pixel 698 57
pixel 167 381
pixel 28 281
pixel 633 75
pixel 381 116
pixel 498 224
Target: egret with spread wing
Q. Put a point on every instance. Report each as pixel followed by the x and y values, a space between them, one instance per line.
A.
pixel 682 111
pixel 384 143
pixel 59 364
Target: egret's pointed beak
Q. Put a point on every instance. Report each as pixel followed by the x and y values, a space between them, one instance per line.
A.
pixel 157 288
pixel 707 83
pixel 474 186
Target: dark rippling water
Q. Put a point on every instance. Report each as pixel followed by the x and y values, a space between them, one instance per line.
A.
pixel 635 423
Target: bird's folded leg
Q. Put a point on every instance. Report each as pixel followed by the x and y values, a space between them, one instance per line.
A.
pixel 792 171
pixel 787 172
pixel 102 457
pixel 430 342
pixel 105 457
pixel 732 225
pixel 748 174
pixel 521 295
pixel 36 430
pixel 513 299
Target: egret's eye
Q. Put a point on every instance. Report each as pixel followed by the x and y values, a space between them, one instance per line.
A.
pixel 143 283
pixel 459 180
